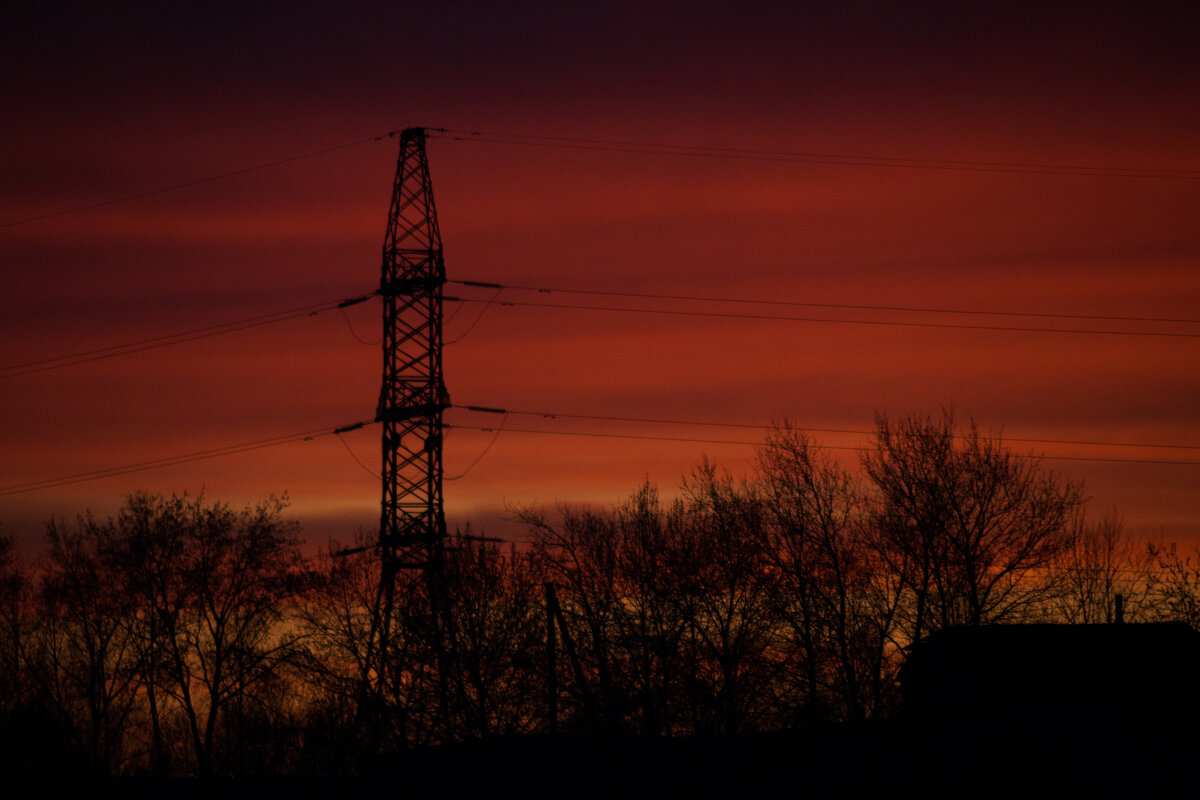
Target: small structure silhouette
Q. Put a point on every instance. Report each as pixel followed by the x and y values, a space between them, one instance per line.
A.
pixel 1057 687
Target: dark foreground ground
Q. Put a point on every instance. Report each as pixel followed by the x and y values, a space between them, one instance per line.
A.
pixel 882 759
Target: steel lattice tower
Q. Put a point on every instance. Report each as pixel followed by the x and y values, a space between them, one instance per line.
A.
pixel 412 525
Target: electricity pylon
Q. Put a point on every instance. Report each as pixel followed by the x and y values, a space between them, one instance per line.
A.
pixel 412 527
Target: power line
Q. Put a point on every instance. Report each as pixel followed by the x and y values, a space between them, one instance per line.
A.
pixel 655 149
pixel 165 340
pixel 800 157
pixel 217 452
pixel 486 450
pixel 354 333
pixel 641 437
pixel 690 440
pixel 197 181
pixel 749 426
pixel 478 317
pixel 183 458
pixel 357 460
pixel 839 306
pixel 828 320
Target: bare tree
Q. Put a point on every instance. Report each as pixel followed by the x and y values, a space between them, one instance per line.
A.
pixel 836 598
pixel 83 650
pixel 36 738
pixel 213 586
pixel 1176 588
pixel 1101 563
pixel 579 554
pixel 439 679
pixel 496 639
pixel 618 573
pixel 239 573
pixel 335 619
pixel 144 546
pixel 13 590
pixel 362 703
pixel 721 587
pixel 971 526
pixel 650 629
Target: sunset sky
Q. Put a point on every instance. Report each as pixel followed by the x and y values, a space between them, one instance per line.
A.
pixel 830 153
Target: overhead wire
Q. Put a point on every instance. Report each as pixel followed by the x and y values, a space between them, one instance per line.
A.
pixel 837 321
pixel 162 341
pixel 166 340
pixel 357 460
pixel 838 306
pixel 693 440
pixel 806 429
pixel 802 157
pixel 478 317
pixel 196 181
pixel 275 441
pixel 610 145
pixel 182 458
pixel 486 450
pixel 354 333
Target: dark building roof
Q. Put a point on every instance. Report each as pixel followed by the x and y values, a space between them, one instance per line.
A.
pixel 1119 678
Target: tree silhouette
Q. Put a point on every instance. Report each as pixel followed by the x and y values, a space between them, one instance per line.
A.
pixel 1176 587
pixel 837 599
pixel 652 629
pixel 13 589
pixel 580 556
pixel 1101 563
pixel 212 587
pixel 497 638
pixel 334 620
pixel 972 527
pixel 184 637
pixel 723 593
pixel 38 738
pixel 83 651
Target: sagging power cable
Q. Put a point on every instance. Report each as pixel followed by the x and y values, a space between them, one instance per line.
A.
pixel 182 458
pixel 166 340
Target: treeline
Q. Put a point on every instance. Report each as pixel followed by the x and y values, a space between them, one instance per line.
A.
pixel 182 637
